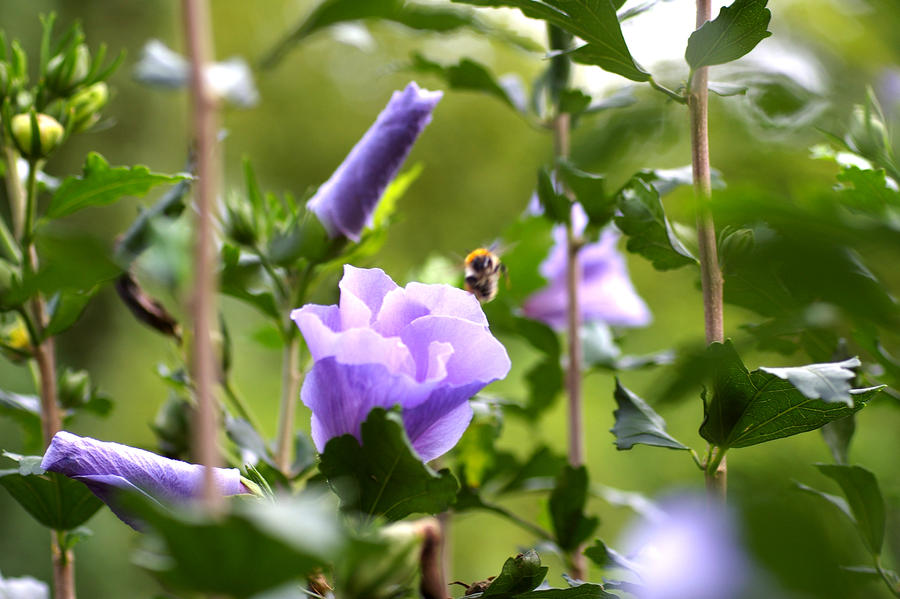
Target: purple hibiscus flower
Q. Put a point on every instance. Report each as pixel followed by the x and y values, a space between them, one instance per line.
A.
pixel 605 291
pixel 425 347
pixel 107 468
pixel 692 551
pixel 345 203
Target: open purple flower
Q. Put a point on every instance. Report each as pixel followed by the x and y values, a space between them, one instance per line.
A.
pixel 107 468
pixel 605 291
pixel 426 348
pixel 691 552
pixel 345 203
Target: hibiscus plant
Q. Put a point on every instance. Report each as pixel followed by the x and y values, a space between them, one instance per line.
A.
pixel 405 408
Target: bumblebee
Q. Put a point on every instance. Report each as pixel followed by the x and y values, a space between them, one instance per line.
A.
pixel 483 271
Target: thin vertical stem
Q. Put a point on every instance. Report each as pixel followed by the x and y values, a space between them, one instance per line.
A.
pixel 710 274
pixel 63 567
pixel 199 45
pixel 290 385
pixel 44 352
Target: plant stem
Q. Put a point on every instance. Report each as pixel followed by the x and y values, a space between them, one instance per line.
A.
pixel 710 274
pixel 561 140
pixel 15 191
pixel 44 349
pixel 891 584
pixel 199 45
pixel 290 385
pixel 63 567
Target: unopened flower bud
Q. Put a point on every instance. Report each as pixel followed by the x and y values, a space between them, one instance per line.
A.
pixel 239 222
pixel 50 134
pixel 15 337
pixel 85 106
pixel 868 133
pixel 65 71
pixel 74 388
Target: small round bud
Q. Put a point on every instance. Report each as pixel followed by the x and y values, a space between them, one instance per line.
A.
pixel 239 222
pixel 15 337
pixel 50 134
pixel 86 104
pixel 74 388
pixel 66 71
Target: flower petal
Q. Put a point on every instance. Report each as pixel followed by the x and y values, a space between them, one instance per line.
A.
pixel 346 201
pixel 445 300
pixel 438 423
pixel 398 310
pixel 477 355
pixel 362 292
pixel 342 395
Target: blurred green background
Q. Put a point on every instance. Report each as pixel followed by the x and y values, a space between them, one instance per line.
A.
pixel 480 163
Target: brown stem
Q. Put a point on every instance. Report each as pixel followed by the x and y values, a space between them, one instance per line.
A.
pixel 199 45
pixel 63 568
pixel 710 274
pixel 561 131
pixel 290 385
pixel 431 564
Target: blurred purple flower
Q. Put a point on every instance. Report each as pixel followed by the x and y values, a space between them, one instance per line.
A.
pixel 692 552
pixel 107 468
pixel 345 203
pixel 605 292
pixel 425 347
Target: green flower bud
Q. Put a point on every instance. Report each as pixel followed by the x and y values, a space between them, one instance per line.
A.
pixel 173 427
pixel 868 133
pixel 239 222
pixel 15 336
pixel 66 71
pixel 86 104
pixel 74 388
pixel 50 134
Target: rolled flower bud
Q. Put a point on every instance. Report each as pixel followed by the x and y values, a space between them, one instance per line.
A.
pixel 65 72
pixel 87 104
pixel 109 468
pixel 50 134
pixel 346 202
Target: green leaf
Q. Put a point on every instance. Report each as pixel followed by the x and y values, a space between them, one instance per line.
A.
pixel 65 309
pixel 649 233
pixel 557 207
pixel 383 475
pixel 585 590
pixel 520 574
pixel 26 410
pixel 415 16
pixel 732 34
pixel 101 184
pixel 539 335
pixel 829 382
pixel 259 545
pixel 748 408
pixel 570 525
pixel 838 434
pixel 141 232
pixel 589 191
pixel 637 423
pixel 605 557
pixel 541 464
pixel 864 498
pixel 544 382
pixel 56 501
pixel 466 75
pixel 594 21
pixel 867 190
pixel 68 263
